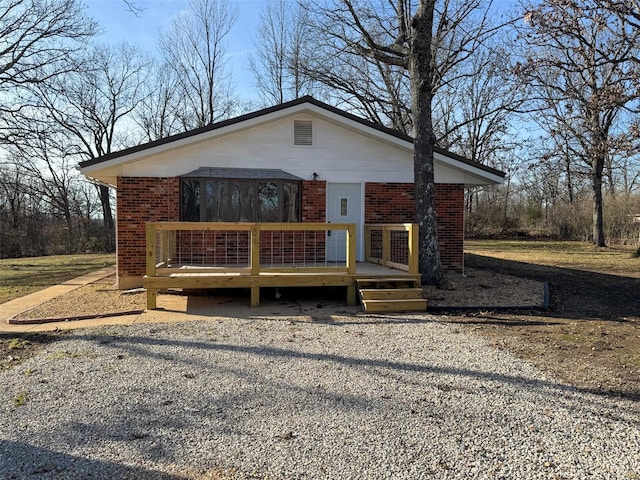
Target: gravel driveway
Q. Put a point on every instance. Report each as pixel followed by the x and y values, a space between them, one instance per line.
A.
pixel 369 397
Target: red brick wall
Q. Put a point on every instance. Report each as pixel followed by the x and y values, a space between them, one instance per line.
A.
pixel 393 203
pixel 140 200
pixel 388 203
pixel 314 201
pixel 143 199
pixel 450 213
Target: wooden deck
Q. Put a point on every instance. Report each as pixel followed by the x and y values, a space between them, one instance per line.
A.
pixel 190 278
pixel 164 272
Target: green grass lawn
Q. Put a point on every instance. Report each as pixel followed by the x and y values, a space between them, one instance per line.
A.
pixel 22 276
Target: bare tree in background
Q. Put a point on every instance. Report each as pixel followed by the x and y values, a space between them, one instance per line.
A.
pixel 378 91
pixel 627 9
pixel 475 114
pixel 194 46
pixel 162 113
pixel 280 47
pixel 427 39
pixel 38 40
pixel 582 71
pixel 89 107
pixel 50 173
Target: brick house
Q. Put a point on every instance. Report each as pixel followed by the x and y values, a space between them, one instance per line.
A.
pixel 302 161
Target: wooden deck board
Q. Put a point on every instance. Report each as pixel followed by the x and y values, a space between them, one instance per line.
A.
pixel 194 278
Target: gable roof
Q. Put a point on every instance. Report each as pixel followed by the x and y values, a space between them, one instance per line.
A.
pixel 202 133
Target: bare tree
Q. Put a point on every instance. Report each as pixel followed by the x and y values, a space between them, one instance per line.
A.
pixel 474 116
pixel 581 69
pixel 428 39
pixel 13 198
pixel 133 7
pixel 91 107
pixel 38 40
pixel 280 48
pixel 194 46
pixel 628 9
pixel 367 86
pixel 51 176
pixel 162 113
pixel 474 111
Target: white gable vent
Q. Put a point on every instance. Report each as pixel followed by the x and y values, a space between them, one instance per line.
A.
pixel 302 132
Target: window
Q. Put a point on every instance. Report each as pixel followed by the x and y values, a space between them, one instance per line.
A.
pixel 239 200
pixel 190 208
pixel 302 132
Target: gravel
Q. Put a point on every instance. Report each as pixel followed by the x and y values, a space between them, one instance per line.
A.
pixel 398 397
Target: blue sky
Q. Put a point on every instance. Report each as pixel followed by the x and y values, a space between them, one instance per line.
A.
pixel 119 24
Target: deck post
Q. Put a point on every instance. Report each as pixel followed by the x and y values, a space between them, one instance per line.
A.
pixel 152 293
pixel 351 263
pixel 152 297
pixel 351 249
pixel 255 263
pixel 173 244
pixel 255 296
pixel 367 242
pixel 386 245
pixel 413 248
pixel 255 249
pixel 351 294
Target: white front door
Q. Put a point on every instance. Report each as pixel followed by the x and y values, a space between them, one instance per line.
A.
pixel 344 205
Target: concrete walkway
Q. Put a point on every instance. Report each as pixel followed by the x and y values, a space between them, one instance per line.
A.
pixel 13 307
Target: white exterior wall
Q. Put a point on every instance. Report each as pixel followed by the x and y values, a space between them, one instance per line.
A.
pixel 338 154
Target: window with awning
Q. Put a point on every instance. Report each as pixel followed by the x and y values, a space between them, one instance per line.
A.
pixel 240 195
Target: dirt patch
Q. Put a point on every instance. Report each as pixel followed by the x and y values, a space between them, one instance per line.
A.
pixel 15 349
pixel 484 288
pixel 590 336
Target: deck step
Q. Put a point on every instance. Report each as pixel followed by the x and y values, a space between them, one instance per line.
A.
pixel 389 294
pixel 407 305
pixel 389 282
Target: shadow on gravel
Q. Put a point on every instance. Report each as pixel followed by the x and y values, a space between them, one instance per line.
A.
pixel 575 294
pixel 21 460
pixel 136 346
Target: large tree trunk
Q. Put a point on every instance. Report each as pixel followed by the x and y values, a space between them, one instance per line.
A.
pixel 598 224
pixel 424 140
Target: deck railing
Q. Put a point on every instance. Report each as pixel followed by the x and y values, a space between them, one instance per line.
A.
pixel 247 248
pixel 392 245
pixel 256 255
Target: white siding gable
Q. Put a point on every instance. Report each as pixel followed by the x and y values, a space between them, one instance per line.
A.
pixel 342 151
pixel 337 155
